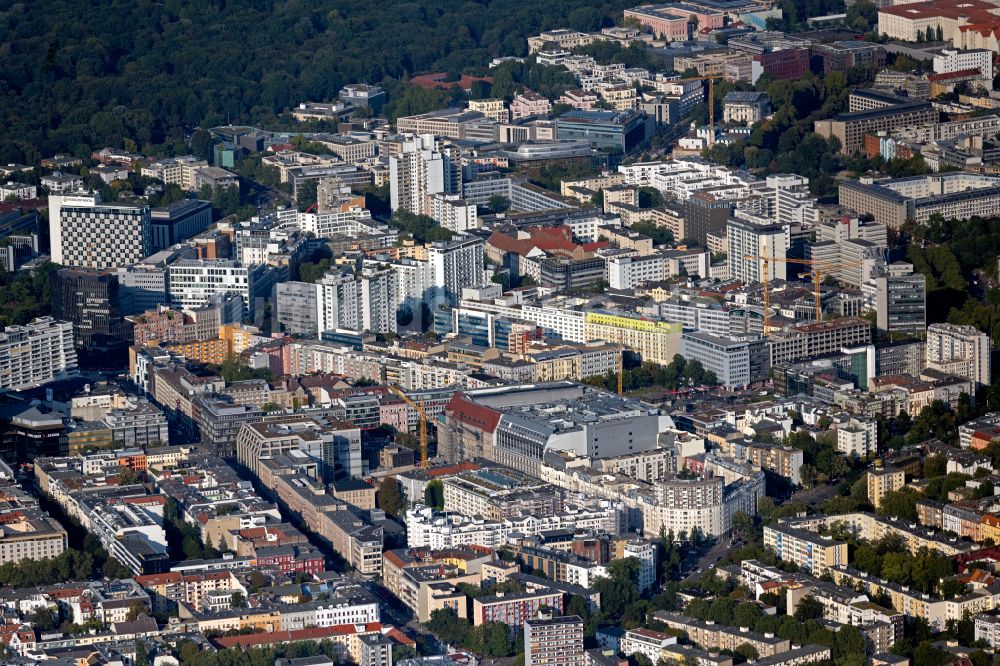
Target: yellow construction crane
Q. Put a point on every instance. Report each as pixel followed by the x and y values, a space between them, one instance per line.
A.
pixel 820 269
pixel 711 101
pixel 423 421
pixel 621 364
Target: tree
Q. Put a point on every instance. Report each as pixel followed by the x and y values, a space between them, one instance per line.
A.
pixel 809 608
pixel 498 203
pixel 434 494
pixel 141 654
pixel 237 600
pixel 116 570
pixel 747 651
pixel 44 619
pixel 390 497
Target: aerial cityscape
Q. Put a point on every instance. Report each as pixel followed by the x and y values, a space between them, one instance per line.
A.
pixel 540 333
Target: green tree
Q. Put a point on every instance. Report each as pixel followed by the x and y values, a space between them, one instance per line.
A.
pixel 498 203
pixel 390 497
pixel 141 654
pixel 434 494
pixel 809 608
pixel 747 652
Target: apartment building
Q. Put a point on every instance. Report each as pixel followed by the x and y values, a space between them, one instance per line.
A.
pixel 812 552
pixel 27 533
pixel 882 480
pixel 850 128
pixel 515 609
pixel 713 636
pixel 551 640
pixel 36 353
pixel 959 350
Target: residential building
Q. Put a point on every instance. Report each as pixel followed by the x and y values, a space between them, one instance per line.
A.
pixel 41 351
pixel 882 480
pixel 811 552
pixel 455 265
pixel 418 171
pixel 550 640
pixel 959 350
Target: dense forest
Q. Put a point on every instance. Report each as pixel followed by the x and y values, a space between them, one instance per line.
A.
pixel 82 74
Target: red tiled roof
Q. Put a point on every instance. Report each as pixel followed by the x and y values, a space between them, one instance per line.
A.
pixel 960 74
pixel 468 412
pixel 974 11
pixel 312 634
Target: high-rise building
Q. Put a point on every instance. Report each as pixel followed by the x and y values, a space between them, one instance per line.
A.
pixel 749 243
pixel 366 301
pixel 900 299
pixel 38 352
pixel 193 282
pixel 90 300
pixel 418 171
pixel 84 232
pixel 454 265
pixel 550 640
pixel 705 214
pixel 960 350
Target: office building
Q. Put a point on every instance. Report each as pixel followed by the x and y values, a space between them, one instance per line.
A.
pixel 850 128
pixel 453 123
pixel 38 352
pixel 86 233
pixel 959 350
pixel 194 282
pixel 735 361
pixel 900 299
pixel 955 195
pixel 745 108
pixel 704 214
pixel 178 222
pixel 89 299
pixel 623 131
pixel 552 640
pixel 362 95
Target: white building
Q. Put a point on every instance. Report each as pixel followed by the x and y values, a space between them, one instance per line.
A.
pixel 735 361
pixel 415 174
pixel 38 352
pixel 455 265
pixel 954 60
pixel 192 282
pixel 749 243
pixel 86 233
pixel 644 551
pixel 17 191
pixel 959 350
pixel 61 183
pixel 453 212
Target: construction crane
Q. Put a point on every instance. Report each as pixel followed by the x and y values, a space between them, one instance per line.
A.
pixel 621 364
pixel 820 269
pixel 423 421
pixel 711 101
